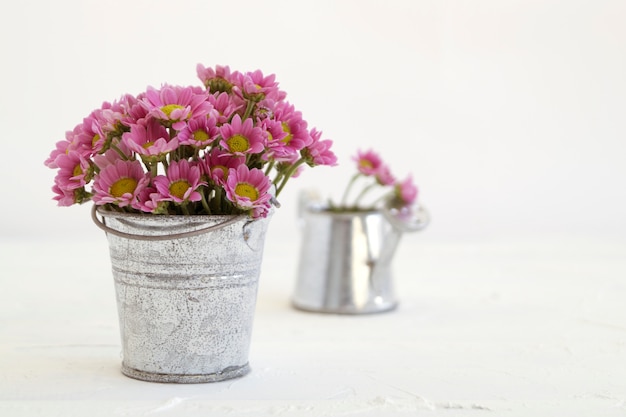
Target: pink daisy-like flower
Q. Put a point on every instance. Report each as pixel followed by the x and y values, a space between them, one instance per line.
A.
pixel 174 105
pixel 120 183
pixel 149 200
pixel 406 191
pixel 199 133
pixel 256 87
pixel 112 156
pixel 264 110
pixel 224 107
pixel 87 138
pixel 318 152
pixel 295 127
pixel 368 162
pixel 384 176
pixel 134 110
pixel 74 171
pixel 149 139
pixel 241 138
pixel 218 80
pixel 180 183
pixel 216 165
pixel 248 190
pixel 277 148
pixel 109 121
pixel 61 148
pixel 64 198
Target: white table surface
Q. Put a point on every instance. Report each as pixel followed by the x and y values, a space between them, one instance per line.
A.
pixel 526 328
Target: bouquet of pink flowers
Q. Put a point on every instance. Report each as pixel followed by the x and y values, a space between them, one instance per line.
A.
pixel 374 174
pixel 228 147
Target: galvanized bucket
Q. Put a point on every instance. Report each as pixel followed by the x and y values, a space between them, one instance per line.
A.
pixel 186 291
pixel 346 258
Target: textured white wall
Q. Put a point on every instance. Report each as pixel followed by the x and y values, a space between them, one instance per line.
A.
pixel 510 114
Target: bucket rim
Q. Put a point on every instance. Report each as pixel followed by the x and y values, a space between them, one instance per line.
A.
pixel 343 213
pixel 215 222
pixel 199 217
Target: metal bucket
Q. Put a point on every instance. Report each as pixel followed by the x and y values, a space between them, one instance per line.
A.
pixel 186 291
pixel 346 258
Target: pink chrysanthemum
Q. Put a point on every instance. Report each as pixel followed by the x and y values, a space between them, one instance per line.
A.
pixel 248 190
pixel 120 183
pixel 368 162
pixel 241 138
pixel 60 148
pixel 149 200
pixel 149 139
pixel 216 165
pixel 256 87
pixel 112 156
pixel 224 107
pixel 318 152
pixel 277 149
pixel 199 133
pixel 109 121
pixel 174 105
pixel 87 138
pixel 218 80
pixel 384 176
pixel 180 183
pixel 133 108
pixel 64 198
pixel 74 171
pixel 406 191
pixel 295 127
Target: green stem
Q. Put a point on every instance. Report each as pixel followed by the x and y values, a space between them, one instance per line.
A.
pixel 119 151
pixel 288 174
pixel 269 167
pixel 205 204
pixel 218 199
pixel 183 207
pixel 363 192
pixel 248 111
pixel 348 187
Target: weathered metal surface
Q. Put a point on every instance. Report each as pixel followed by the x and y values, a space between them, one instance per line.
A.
pixel 345 263
pixel 186 306
pixel 346 259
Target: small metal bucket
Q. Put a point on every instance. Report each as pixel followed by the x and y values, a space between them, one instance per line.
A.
pixel 345 259
pixel 186 291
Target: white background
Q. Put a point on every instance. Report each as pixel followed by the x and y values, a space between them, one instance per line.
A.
pixel 509 114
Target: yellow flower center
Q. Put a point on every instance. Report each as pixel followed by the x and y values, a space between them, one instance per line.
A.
pixel 179 188
pixel 289 136
pixel 147 144
pixel 95 139
pixel 200 136
pixel 168 109
pixel 223 168
pixel 243 189
pixel 77 171
pixel 238 143
pixel 366 163
pixel 123 186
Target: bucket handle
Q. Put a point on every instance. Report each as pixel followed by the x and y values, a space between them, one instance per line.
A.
pixel 100 223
